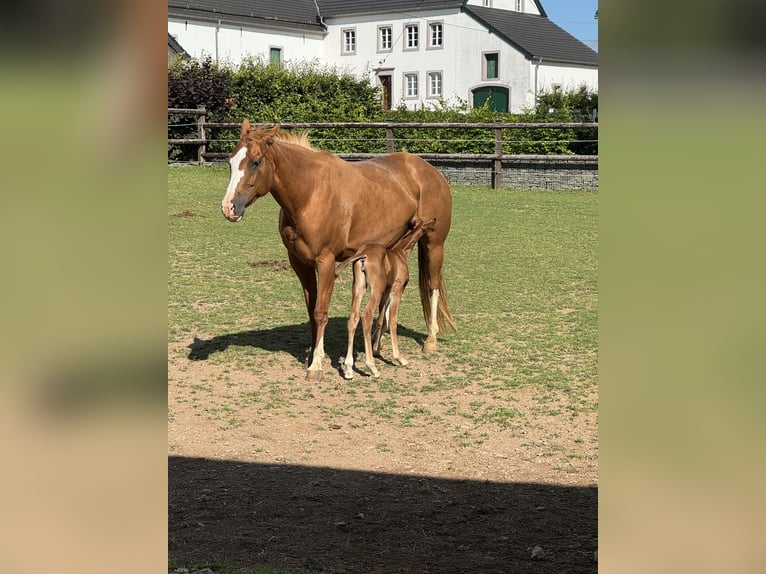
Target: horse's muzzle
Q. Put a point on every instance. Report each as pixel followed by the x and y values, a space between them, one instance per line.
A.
pixel 228 212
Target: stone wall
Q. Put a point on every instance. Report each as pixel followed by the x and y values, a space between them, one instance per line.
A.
pixel 556 173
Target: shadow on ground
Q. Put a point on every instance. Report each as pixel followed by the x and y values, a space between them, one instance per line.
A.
pixel 293 339
pixel 247 514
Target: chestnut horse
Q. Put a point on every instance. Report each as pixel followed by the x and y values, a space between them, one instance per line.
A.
pixel 330 208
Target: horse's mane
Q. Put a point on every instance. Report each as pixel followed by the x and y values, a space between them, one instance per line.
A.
pixel 300 138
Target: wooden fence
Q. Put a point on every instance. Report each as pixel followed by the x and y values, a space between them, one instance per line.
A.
pixel 497 158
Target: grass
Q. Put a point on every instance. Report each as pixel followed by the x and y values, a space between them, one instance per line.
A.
pixel 520 267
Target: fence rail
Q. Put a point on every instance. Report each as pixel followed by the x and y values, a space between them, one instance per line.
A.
pixel 497 158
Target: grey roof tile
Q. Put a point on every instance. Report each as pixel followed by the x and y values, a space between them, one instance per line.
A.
pixel 535 36
pixel 299 14
pixel 332 8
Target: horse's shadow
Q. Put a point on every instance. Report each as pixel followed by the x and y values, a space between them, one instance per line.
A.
pixel 295 340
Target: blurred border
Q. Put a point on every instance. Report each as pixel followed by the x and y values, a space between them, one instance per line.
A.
pixel 83 294
pixel 681 316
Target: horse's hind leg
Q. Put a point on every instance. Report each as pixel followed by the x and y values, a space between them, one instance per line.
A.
pixel 359 287
pixel 434 259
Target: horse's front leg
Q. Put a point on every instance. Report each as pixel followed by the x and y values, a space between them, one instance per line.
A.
pixel 325 267
pixel 307 277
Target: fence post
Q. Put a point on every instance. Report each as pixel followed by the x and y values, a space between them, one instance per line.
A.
pixel 389 139
pixel 202 148
pixel 497 170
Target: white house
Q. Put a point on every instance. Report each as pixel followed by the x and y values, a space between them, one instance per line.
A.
pixel 501 51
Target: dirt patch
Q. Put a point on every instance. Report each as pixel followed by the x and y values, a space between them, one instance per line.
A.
pixel 271 264
pixel 418 471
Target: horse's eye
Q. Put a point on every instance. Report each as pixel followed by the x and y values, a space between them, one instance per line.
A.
pixel 255 163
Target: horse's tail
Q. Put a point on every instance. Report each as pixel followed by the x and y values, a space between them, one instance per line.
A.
pixel 443 316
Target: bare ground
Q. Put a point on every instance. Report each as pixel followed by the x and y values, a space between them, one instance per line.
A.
pixel 382 475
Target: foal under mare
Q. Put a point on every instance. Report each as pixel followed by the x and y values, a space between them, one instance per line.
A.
pixel 386 272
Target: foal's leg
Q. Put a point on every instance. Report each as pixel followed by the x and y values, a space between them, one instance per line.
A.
pixel 367 317
pixel 396 297
pixel 325 266
pixel 380 327
pixel 357 292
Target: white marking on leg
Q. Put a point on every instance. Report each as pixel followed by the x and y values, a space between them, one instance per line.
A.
pixel 316 363
pixel 433 328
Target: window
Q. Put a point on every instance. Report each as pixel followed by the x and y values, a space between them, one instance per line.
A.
pixel 411 33
pixel 385 36
pixel 434 84
pixel 411 85
pixel 519 5
pixel 487 3
pixel 348 37
pixel 435 35
pixel 491 66
pixel 275 56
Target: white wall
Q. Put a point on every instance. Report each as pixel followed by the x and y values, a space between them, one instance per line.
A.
pixel 460 60
pixel 231 44
pixel 568 77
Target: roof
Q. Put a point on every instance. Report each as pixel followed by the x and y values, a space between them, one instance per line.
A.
pixel 334 8
pixel 535 36
pixel 176 47
pixel 292 14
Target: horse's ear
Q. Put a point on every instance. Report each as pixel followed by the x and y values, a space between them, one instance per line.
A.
pixel 245 128
pixel 271 134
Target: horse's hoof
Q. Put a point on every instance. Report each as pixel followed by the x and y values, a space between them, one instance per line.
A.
pixel 401 361
pixel 429 346
pixel 314 375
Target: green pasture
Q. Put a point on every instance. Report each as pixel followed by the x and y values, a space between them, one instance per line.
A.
pixel 520 266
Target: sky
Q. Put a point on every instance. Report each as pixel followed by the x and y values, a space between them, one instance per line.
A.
pixel 576 17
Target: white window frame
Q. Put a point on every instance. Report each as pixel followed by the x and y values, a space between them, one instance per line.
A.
pixel 431 45
pixel 519 5
pixel 430 75
pixel 406 47
pixel 487 3
pixel 345 34
pixel 390 38
pixel 407 86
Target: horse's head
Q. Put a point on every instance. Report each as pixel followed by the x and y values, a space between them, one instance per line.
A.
pixel 252 170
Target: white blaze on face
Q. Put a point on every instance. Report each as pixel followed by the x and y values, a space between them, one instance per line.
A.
pixel 236 175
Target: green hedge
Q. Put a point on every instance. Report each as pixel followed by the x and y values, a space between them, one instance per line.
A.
pixel 312 92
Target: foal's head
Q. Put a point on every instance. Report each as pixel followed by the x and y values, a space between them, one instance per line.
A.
pixel 252 170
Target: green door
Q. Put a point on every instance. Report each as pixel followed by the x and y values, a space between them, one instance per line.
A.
pixel 495 96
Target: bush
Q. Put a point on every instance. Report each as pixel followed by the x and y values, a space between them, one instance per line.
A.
pixel 311 92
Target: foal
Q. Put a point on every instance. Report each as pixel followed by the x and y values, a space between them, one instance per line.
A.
pixel 387 274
